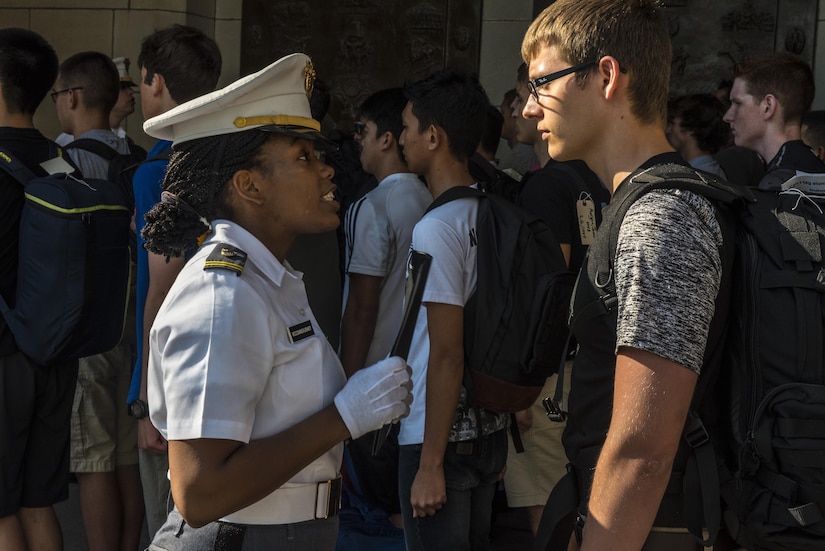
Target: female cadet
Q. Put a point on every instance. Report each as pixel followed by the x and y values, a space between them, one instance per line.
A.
pixel 242 382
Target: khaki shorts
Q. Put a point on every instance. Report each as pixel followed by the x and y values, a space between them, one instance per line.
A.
pixel 531 475
pixel 103 435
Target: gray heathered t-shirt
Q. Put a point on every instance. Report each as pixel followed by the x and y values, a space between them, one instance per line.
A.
pixel 667 284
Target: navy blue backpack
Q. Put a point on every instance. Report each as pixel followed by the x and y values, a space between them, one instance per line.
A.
pixel 73 271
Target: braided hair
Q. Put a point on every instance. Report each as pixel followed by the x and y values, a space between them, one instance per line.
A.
pixel 195 190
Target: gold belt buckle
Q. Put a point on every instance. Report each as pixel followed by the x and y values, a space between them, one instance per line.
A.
pixel 333 503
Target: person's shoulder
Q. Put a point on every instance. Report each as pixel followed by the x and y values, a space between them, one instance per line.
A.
pixel 155 163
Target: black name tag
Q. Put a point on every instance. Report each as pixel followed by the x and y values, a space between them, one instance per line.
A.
pixel 300 332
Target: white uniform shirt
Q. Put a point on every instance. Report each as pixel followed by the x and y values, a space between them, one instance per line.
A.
pixel 379 230
pixel 222 363
pixel 447 233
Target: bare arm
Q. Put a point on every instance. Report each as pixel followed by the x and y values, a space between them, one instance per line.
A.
pixel 161 277
pixel 358 321
pixel 650 403
pixel 211 478
pixel 444 374
pixel 566 249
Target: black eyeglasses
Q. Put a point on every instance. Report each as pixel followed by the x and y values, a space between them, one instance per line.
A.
pixel 56 93
pixel 359 127
pixel 536 83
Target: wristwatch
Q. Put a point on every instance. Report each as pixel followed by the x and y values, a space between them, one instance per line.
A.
pixel 138 409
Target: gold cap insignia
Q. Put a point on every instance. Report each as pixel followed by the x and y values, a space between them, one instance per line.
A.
pixel 309 78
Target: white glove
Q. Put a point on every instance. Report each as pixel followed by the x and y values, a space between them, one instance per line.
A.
pixel 375 396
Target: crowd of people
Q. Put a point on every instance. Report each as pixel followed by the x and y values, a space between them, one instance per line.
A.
pixel 223 416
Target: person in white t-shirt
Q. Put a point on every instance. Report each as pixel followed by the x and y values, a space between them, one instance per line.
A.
pixel 242 381
pixel 450 460
pixel 378 229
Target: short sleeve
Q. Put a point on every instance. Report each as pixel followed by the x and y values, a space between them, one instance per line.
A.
pixel 447 282
pixel 668 272
pixel 369 242
pixel 214 343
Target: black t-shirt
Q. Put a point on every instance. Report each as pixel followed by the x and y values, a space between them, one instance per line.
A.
pixel 551 193
pixel 31 148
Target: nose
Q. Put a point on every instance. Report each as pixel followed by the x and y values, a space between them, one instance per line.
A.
pixel 327 171
pixel 728 118
pixel 531 109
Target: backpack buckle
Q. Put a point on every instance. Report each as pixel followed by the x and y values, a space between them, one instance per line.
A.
pixel 554 412
pixel 695 432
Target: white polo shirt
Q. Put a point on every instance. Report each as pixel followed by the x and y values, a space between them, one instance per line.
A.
pixel 240 356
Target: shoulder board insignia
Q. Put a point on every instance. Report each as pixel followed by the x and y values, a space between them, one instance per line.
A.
pixel 225 257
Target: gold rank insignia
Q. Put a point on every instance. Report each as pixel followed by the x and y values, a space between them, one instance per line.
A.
pixel 225 257
pixel 309 78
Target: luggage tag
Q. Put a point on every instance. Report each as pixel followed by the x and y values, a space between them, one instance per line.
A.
pixel 57 166
pixel 586 211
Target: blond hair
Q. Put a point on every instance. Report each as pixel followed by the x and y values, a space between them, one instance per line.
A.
pixel 635 32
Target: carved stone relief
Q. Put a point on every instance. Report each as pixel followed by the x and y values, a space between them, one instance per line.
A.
pixel 710 36
pixel 360 46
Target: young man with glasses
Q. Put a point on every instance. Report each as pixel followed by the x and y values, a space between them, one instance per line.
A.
pixel 104 453
pixel 378 229
pixel 600 96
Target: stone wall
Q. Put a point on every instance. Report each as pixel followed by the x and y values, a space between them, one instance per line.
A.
pixel 116 27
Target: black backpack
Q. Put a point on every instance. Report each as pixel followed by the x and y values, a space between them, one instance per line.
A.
pixel 770 450
pixel 122 166
pixel 73 274
pixel 515 324
pixel 494 181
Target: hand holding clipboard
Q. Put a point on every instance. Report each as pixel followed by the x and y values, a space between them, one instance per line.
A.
pixel 418 267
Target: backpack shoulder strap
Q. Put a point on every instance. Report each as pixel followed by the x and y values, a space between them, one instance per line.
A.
pixel 14 167
pixel 665 176
pixel 164 155
pixel 456 192
pixel 93 146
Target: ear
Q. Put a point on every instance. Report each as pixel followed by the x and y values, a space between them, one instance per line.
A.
pixel 387 141
pixel 434 136
pixel 610 75
pixel 820 152
pixel 247 186
pixel 158 84
pixel 768 106
pixel 73 100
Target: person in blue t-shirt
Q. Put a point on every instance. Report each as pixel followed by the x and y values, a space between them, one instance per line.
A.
pixel 177 64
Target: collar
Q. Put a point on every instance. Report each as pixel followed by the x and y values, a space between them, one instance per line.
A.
pixel 226 231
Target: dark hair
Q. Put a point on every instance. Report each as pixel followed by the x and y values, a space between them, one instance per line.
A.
pixel 783 75
pixel 28 68
pixel 384 109
pixel 492 130
pixel 196 184
pixel 319 100
pixel 509 96
pixel 188 60
pixel 454 101
pixel 97 74
pixel 522 74
pixel 635 32
pixel 815 131
pixel 702 116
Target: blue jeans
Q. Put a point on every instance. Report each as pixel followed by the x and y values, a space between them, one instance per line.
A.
pixel 463 523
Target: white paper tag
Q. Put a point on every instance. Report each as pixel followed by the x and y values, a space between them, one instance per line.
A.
pixel 58 165
pixel 587 220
